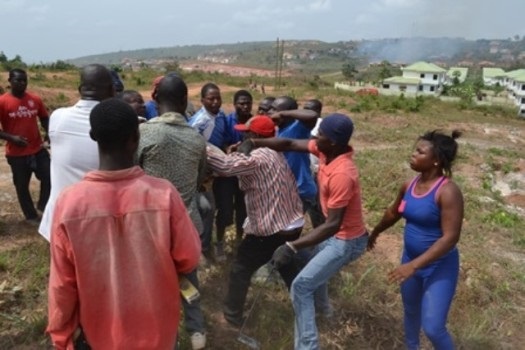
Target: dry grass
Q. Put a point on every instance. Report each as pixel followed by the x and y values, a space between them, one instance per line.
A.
pixel 489 308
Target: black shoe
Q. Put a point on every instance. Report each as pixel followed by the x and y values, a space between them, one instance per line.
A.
pixel 234 321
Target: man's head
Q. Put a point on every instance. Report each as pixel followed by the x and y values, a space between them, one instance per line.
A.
pixel 114 126
pixel 172 94
pixel 211 98
pixel 18 81
pixel 242 101
pixel 265 105
pixel 135 100
pixel 283 103
pixel 96 83
pixel 335 132
pixel 314 105
pixel 260 126
pixel 117 82
pixel 155 86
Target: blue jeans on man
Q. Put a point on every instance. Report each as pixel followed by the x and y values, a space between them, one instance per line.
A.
pixel 331 256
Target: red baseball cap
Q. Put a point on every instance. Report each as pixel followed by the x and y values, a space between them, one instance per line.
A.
pixel 260 124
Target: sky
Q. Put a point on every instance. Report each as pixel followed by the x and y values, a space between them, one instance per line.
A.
pixel 46 31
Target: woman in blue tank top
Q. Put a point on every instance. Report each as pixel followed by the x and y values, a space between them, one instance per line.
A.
pixel 432 206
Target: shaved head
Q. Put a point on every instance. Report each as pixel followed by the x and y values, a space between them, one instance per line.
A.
pixel 96 83
pixel 172 94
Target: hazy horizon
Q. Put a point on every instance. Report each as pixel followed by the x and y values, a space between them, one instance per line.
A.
pixel 65 30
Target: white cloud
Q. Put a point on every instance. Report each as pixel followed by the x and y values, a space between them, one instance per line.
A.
pixel 315 6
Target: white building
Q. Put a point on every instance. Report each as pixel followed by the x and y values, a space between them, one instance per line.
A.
pixel 493 76
pixel 419 77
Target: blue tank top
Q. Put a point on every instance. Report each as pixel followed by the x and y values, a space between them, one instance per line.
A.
pixel 423 220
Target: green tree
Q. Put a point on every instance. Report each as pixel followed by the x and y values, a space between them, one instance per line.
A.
pixel 349 70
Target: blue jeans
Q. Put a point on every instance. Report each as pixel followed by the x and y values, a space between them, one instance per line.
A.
pixel 331 256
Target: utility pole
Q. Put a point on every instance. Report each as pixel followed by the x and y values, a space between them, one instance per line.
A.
pixel 279 54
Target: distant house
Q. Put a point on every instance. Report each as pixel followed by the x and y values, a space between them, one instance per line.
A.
pixel 493 76
pixel 419 77
pixel 402 84
pixel 460 72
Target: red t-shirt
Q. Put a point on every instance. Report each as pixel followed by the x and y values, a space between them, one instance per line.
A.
pixel 339 187
pixel 18 117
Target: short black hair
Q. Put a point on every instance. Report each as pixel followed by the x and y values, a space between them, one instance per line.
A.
pixel 207 87
pixel 287 103
pixel 113 122
pixel 242 93
pixel 14 71
pixel 124 95
pixel 445 147
pixel 315 105
pixel 172 89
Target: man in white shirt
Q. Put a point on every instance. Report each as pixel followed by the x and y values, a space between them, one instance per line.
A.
pixel 73 152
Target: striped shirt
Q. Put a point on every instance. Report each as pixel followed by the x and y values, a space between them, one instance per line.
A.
pixel 270 191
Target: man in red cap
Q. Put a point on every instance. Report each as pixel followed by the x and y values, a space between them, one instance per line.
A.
pixel 273 207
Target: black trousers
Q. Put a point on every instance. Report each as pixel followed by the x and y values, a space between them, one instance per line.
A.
pixel 22 168
pixel 228 199
pixel 254 252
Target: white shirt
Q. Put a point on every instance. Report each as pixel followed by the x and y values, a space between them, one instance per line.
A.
pixel 314 161
pixel 73 153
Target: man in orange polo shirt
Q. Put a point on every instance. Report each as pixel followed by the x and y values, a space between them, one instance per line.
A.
pixel 24 150
pixel 342 238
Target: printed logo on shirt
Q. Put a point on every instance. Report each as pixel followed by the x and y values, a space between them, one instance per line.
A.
pixel 24 112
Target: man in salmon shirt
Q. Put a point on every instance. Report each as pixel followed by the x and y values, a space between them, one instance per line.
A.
pixel 24 151
pixel 342 238
pixel 119 241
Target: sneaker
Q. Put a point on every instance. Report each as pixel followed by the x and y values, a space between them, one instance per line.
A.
pixel 198 341
pixel 220 256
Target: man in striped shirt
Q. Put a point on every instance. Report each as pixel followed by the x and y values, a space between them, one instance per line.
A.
pixel 274 211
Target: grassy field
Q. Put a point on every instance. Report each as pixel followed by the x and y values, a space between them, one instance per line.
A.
pixel 489 309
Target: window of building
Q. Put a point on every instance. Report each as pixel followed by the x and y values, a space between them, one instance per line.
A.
pixel 386 86
pixel 523 100
pixel 420 87
pixel 522 86
pixel 435 77
pixel 402 88
pixel 422 75
pixel 432 88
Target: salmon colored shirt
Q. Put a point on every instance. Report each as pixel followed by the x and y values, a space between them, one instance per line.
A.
pixel 339 187
pixel 119 239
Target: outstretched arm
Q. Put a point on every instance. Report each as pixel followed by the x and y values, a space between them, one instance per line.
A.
pixel 305 116
pixel 276 143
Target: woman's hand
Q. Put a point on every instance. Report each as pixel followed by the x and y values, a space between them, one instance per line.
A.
pixel 401 273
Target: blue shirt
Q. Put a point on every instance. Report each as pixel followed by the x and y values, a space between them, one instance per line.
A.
pixel 151 110
pixel 212 127
pixel 234 135
pixel 299 162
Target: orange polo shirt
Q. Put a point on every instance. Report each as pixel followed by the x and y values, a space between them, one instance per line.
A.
pixel 119 239
pixel 339 187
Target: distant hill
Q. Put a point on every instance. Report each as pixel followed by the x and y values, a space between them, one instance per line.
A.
pixel 318 56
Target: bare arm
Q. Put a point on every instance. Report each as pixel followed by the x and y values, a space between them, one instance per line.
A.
pixel 19 141
pixel 390 217
pixel 450 201
pixel 278 144
pixel 305 116
pixel 329 228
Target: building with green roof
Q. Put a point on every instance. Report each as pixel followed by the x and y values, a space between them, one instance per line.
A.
pixel 493 76
pixel 459 72
pixel 420 77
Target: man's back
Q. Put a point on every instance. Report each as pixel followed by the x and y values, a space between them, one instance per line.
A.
pixel 170 149
pixel 272 201
pixel 120 257
pixel 74 153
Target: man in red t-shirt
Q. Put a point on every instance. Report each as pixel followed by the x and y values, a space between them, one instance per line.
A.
pixel 24 149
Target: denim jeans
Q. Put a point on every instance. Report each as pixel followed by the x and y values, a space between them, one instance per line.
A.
pixel 193 317
pixel 331 256
pixel 206 206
